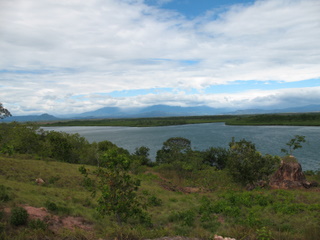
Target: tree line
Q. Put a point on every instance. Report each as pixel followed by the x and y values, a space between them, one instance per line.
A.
pixel 176 153
pixel 113 178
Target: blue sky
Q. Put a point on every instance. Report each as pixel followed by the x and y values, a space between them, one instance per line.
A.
pixel 195 8
pixel 63 57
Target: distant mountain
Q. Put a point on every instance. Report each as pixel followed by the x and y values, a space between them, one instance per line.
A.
pixel 308 108
pixel 304 109
pixel 164 110
pixel 158 111
pixel 31 118
pixel 102 112
pixel 151 111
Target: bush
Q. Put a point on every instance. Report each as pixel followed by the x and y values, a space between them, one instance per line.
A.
pixel 264 234
pixel 117 187
pixel 51 206
pixel 3 194
pixel 216 157
pixel 37 224
pixel 174 149
pixel 154 201
pixel 19 216
pixel 186 218
pixel 246 165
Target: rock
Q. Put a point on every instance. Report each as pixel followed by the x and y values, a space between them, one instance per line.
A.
pixel 290 176
pixel 216 237
pixel 40 181
pixel 310 184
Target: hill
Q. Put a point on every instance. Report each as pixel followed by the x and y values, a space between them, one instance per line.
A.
pixel 158 111
pixel 31 118
pixel 61 207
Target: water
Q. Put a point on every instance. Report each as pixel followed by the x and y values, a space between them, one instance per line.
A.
pixel 268 139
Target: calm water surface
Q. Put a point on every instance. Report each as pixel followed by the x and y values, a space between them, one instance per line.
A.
pixel 268 139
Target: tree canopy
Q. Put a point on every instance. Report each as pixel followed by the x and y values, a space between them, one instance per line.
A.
pixel 246 165
pixel 4 112
pixel 173 149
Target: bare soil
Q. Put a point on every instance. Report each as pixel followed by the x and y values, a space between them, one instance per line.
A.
pixel 56 222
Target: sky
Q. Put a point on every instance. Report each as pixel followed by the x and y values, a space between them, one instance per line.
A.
pixel 73 56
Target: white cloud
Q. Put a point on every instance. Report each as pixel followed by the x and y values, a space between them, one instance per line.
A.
pixel 52 50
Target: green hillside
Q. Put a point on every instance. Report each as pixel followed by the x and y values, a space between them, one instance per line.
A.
pixel 216 206
pixel 73 189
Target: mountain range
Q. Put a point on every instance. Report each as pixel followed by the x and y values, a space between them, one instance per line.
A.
pixel 158 111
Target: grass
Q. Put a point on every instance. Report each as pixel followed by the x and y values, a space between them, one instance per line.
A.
pixel 221 207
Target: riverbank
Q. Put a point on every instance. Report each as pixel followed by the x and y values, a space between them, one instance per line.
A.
pixel 304 119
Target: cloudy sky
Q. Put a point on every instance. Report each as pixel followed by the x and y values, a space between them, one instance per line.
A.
pixel 73 56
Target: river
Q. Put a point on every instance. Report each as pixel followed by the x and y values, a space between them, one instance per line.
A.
pixel 268 139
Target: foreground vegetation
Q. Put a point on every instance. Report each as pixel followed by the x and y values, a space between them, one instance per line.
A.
pixel 184 193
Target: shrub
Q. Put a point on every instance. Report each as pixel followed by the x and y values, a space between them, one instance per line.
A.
pixel 37 224
pixel 154 201
pixel 174 149
pixel 216 157
pixel 19 216
pixel 264 234
pixel 186 218
pixel 51 206
pixel 3 194
pixel 117 188
pixel 246 165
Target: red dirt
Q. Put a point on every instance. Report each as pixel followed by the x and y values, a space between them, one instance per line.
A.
pixel 56 222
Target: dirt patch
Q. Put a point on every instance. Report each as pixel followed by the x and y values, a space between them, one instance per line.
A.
pixel 56 222
pixel 37 213
pixel 174 238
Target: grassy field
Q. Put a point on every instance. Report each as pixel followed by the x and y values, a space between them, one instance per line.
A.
pixel 200 205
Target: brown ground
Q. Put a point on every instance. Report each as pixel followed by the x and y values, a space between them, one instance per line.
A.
pixel 56 222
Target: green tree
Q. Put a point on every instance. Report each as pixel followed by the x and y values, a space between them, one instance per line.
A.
pixel 142 154
pixel 4 112
pixel 174 149
pixel 59 147
pixel 107 145
pixel 294 144
pixel 67 147
pixel 246 165
pixel 216 156
pixel 19 138
pixel 117 189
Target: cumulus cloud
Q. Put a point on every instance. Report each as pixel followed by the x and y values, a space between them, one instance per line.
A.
pixel 53 51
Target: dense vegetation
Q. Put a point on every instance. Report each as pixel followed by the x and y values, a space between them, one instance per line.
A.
pixel 304 119
pixel 144 122
pixel 298 119
pixel 126 196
